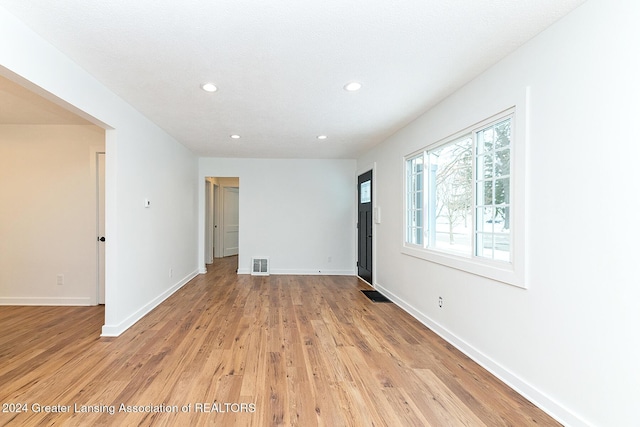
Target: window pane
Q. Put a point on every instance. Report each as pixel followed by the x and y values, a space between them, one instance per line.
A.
pixel 487 188
pixel 417 165
pixel 414 235
pixel 418 240
pixel 502 246
pixel 414 200
pixel 456 242
pixel 484 241
pixel 479 218
pixel 503 134
pixel 503 163
pixel 414 218
pixel 502 191
pixel 493 177
pixel 485 218
pixel 365 192
pixel 485 140
pixel 487 166
pixel 453 196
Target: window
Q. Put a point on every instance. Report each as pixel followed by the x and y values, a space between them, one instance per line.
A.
pixel 365 192
pixel 415 195
pixel 450 196
pixel 458 196
pixel 493 185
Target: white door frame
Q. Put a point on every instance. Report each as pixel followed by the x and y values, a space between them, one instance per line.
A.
pixel 209 226
pixel 217 252
pixel 100 177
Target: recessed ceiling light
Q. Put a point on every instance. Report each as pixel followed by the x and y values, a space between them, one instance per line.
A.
pixel 234 136
pixel 209 87
pixel 352 86
pixel 322 136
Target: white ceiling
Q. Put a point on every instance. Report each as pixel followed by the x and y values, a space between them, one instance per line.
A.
pixel 280 66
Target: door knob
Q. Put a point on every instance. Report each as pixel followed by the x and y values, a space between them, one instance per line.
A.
pixel 102 239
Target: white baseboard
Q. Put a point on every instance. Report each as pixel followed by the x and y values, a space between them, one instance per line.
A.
pixel 80 301
pixel 528 391
pixel 294 272
pixel 318 272
pixel 116 330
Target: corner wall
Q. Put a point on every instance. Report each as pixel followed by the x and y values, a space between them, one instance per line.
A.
pixel 568 342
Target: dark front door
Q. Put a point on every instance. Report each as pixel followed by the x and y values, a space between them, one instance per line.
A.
pixel 365 226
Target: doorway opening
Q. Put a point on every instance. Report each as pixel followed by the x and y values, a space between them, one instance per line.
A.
pixel 222 218
pixel 56 180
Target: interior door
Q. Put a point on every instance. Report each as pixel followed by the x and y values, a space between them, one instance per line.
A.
pixel 230 219
pixel 365 226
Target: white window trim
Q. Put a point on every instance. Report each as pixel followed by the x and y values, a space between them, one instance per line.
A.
pixel 514 272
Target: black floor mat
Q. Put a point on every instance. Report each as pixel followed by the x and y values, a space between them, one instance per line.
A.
pixel 376 296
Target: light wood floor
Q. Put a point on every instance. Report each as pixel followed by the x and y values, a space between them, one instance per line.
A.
pixel 250 351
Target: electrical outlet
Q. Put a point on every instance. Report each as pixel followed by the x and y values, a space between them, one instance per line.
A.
pixel 171 272
pixel 60 279
pixel 440 302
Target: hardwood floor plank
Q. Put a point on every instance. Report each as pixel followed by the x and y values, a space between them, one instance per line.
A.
pixel 407 410
pixel 447 407
pixel 229 350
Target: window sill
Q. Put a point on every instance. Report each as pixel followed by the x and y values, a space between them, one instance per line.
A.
pixel 507 273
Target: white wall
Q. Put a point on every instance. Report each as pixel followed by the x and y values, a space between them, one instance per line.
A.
pixel 48 214
pixel 150 252
pixel 569 342
pixel 299 213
